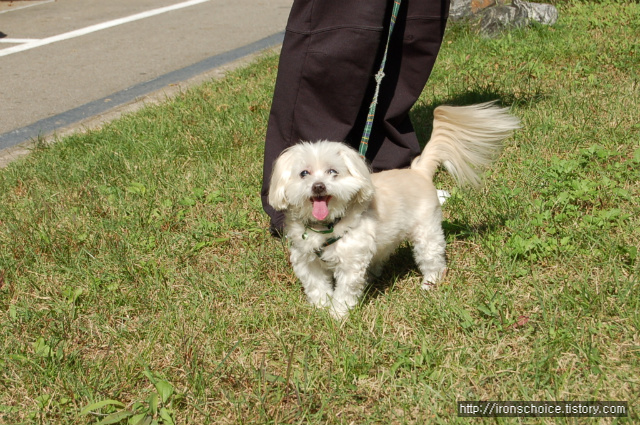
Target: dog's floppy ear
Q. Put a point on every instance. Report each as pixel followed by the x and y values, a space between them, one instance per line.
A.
pixel 358 168
pixel 280 177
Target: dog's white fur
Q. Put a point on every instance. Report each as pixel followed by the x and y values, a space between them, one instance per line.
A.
pixel 377 211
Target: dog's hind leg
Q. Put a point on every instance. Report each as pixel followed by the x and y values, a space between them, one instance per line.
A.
pixel 429 251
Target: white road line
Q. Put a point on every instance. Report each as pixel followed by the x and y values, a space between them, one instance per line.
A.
pixel 98 27
pixel 17 40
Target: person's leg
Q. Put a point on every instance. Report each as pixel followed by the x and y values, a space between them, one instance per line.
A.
pixel 327 60
pixel 331 51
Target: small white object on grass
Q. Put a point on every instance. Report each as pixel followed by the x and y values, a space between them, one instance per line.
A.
pixel 443 195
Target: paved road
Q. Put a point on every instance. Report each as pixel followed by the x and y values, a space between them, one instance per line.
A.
pixel 63 61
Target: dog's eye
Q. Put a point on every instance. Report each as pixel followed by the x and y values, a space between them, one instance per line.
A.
pixel 332 172
pixel 304 174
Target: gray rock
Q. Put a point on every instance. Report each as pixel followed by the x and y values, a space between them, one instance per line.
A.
pixel 545 14
pixel 494 16
pixel 460 9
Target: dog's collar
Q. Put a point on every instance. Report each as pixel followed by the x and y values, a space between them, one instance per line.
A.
pixel 326 231
pixel 319 251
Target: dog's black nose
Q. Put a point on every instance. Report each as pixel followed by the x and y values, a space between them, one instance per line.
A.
pixel 318 188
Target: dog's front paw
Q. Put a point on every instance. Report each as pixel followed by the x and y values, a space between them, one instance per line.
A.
pixel 427 286
pixel 431 280
pixel 339 312
pixel 341 304
pixel 321 299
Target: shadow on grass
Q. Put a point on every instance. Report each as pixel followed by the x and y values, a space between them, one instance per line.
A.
pixel 401 264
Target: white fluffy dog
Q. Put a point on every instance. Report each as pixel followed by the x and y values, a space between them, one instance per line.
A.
pixel 343 222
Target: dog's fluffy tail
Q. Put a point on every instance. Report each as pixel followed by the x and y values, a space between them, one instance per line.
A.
pixel 466 139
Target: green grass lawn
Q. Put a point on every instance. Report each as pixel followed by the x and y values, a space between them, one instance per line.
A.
pixel 138 281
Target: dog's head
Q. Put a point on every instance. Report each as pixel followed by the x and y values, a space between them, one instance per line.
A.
pixel 319 181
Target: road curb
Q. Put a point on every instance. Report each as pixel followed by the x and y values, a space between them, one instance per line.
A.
pixel 19 142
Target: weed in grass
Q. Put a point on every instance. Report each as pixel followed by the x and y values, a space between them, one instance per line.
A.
pixel 579 196
pixel 156 409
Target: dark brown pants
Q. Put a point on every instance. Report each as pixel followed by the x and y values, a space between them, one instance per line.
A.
pixel 331 51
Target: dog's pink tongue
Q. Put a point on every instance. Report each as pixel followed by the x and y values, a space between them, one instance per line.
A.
pixel 320 208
